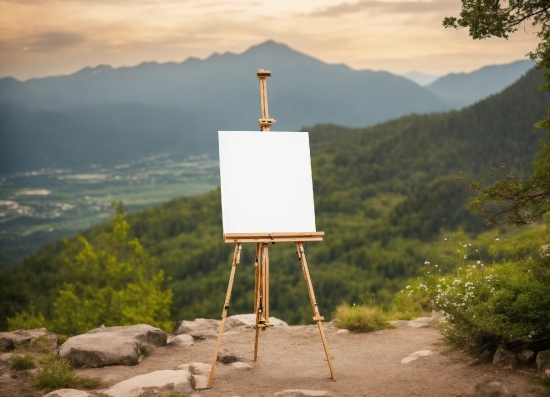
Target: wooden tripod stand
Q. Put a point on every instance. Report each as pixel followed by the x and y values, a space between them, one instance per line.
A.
pixel 262 240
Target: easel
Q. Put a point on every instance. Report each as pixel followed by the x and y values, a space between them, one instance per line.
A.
pixel 262 240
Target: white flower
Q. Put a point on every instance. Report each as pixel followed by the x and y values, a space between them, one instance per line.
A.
pixel 465 256
pixel 478 262
pixel 445 238
pixel 465 245
pixel 408 286
pixel 497 239
pixel 426 262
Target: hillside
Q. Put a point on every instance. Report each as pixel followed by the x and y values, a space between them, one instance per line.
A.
pixel 383 194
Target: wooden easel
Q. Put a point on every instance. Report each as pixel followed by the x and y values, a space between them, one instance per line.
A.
pixel 262 240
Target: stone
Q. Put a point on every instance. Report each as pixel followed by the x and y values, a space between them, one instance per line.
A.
pixel 526 355
pixel 201 382
pixel 543 364
pixel 24 337
pixel 225 357
pixel 416 355
pixel 503 388
pixel 201 328
pixel 302 393
pixel 121 345
pixel 343 332
pixel 196 368
pixel 249 320
pixel 544 250
pixel 241 365
pixel 68 393
pixel 170 380
pixel 183 340
pixel 505 359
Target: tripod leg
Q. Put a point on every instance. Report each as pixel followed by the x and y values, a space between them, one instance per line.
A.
pixel 316 316
pixel 261 297
pixel 236 259
pixel 256 277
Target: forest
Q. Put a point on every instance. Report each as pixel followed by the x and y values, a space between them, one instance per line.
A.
pixel 385 196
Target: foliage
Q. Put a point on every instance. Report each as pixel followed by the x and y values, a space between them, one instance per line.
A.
pixel 113 285
pixel 27 320
pixel 20 362
pixel 56 373
pixel 489 305
pixel 360 318
pixel 512 199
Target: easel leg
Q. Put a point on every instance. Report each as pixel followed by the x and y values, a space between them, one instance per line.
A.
pixel 316 316
pixel 236 259
pixel 261 296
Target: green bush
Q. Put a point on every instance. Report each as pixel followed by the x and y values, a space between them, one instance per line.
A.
pixel 27 320
pixel 487 306
pixel 20 362
pixel 360 318
pixel 57 373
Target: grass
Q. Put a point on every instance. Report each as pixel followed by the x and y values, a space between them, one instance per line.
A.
pixel 57 373
pixel 19 362
pixel 360 318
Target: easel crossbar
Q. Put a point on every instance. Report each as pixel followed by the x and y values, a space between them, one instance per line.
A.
pixel 272 237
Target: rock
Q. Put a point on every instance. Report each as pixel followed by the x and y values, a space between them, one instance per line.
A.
pixel 182 340
pixel 171 380
pixel 303 393
pixel 142 333
pixel 502 388
pixel 201 328
pixel 68 393
pixel 196 368
pixel 241 365
pixel 225 357
pixel 544 250
pixel 201 382
pixel 505 359
pixel 416 355
pixel 543 364
pixel 526 355
pixel 24 337
pixel 111 345
pixel 343 332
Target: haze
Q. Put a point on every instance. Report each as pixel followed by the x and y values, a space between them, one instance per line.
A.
pixel 51 37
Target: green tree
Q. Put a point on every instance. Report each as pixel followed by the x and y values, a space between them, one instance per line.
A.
pixel 511 199
pixel 114 285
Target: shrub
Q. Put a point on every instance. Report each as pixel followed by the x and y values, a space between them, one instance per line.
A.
pixel 57 373
pixel 360 318
pixel 20 362
pixel 27 320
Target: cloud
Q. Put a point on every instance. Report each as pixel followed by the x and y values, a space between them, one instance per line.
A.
pixel 393 7
pixel 53 41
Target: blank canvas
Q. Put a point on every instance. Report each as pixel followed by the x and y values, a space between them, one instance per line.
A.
pixel 266 182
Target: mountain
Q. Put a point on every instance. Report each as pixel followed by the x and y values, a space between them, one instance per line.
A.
pixel 383 196
pixel 106 115
pixel 463 89
pixel 420 78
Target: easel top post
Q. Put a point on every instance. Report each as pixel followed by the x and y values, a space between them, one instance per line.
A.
pixel 265 122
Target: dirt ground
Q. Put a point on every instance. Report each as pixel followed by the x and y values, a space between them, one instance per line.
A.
pixel 365 364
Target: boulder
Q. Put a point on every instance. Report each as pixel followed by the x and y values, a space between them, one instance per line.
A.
pixel 225 357
pixel 182 340
pixel 202 328
pixel 526 355
pixel 68 393
pixel 302 393
pixel 543 364
pixel 103 346
pixel 196 368
pixel 24 337
pixel 167 380
pixel 416 355
pixel 503 388
pixel 505 359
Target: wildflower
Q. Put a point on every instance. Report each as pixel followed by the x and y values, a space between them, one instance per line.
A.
pixel 445 238
pixel 427 263
pixel 465 256
pixel 465 245
pixel 478 262
pixel 408 286
pixel 497 239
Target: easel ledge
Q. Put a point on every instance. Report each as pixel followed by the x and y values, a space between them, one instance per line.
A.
pixel 272 237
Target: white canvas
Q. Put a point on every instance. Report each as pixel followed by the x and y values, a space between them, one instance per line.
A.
pixel 266 182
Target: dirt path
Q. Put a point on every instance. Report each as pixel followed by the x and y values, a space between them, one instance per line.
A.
pixel 293 358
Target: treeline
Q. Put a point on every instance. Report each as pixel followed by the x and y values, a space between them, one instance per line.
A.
pixel 383 195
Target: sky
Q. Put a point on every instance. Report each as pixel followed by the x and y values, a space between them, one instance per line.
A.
pixel 41 38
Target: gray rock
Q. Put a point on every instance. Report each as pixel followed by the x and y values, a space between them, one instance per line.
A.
pixel 544 250
pixel 302 393
pixel 68 393
pixel 502 388
pixel 526 355
pixel 196 368
pixel 201 382
pixel 111 345
pixel 241 365
pixel 24 337
pixel 201 328
pixel 505 359
pixel 181 340
pixel 225 357
pixel 169 380
pixel 343 332
pixel 416 355
pixel 543 364
pixel 249 320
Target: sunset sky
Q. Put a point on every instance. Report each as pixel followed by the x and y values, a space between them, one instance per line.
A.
pixel 51 37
